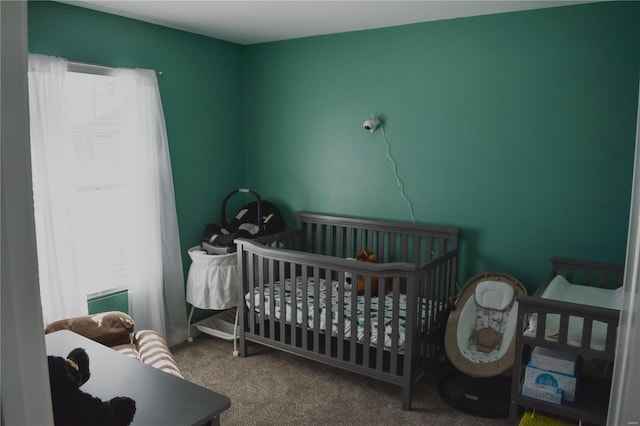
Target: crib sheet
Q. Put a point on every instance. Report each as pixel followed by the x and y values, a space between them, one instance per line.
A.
pixel 560 289
pixel 322 309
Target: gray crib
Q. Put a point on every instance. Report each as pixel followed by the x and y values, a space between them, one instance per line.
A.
pixel 298 298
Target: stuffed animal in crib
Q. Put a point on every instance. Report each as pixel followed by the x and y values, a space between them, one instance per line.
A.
pixel 368 256
pixel 73 407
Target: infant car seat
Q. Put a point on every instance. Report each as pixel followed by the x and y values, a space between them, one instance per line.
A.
pixel 254 220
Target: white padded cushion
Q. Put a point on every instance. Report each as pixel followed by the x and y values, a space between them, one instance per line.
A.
pixel 557 288
pixel 561 289
pixel 494 295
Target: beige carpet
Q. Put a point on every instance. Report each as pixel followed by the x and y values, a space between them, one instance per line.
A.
pixel 271 387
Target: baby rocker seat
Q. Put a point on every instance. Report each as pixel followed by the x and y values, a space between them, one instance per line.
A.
pixel 480 343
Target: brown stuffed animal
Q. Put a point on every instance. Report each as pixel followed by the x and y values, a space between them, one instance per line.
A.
pixel 368 256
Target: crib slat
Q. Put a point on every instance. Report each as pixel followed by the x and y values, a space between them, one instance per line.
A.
pixel 256 268
pixel 331 241
pixel 367 321
pixel 308 237
pixel 373 243
pixel 439 279
pixel 432 297
pixel 395 313
pixel 587 326
pixel 367 238
pixel 305 308
pixel 392 246
pixel 261 283
pixel 570 274
pixel 252 300
pixel 272 299
pixel 354 323
pixel 612 331
pixel 340 313
pixel 318 239
pixel 316 310
pixel 404 248
pixel 381 334
pixel 328 311
pixel 381 255
pixel 441 300
pixel 451 270
pixel 432 307
pixel 563 329
pixel 410 333
pixel 428 309
pixel 541 326
pixel 283 298
pixel 294 303
pixel 418 249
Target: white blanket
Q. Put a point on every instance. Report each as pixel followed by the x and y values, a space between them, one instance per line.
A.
pixel 560 289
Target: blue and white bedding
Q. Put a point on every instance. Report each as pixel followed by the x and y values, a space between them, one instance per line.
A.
pixel 322 309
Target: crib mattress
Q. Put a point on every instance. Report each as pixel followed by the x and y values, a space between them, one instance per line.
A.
pixel 374 310
pixel 560 289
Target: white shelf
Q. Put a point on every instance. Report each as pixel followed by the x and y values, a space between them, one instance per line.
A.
pixel 217 327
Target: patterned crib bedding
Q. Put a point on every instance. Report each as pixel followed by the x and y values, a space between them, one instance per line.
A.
pixel 497 320
pixel 322 309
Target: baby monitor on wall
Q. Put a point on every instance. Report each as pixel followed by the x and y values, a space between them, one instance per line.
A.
pixel 371 124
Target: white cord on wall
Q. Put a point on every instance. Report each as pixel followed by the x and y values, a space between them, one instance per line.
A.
pixel 395 171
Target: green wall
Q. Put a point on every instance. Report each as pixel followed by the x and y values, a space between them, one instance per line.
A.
pixel 519 128
pixel 113 302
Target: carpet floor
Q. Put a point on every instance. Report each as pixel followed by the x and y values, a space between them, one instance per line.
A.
pixel 270 387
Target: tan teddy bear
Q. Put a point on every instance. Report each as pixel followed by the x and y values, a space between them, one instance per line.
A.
pixel 368 256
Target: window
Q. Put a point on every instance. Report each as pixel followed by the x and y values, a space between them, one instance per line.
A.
pixel 97 184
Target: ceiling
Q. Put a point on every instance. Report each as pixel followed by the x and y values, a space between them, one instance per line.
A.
pixel 250 22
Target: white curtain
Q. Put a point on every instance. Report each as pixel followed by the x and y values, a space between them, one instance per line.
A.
pixel 146 216
pixel 154 245
pixel 623 405
pixel 50 155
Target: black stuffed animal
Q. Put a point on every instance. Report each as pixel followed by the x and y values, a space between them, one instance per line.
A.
pixel 73 407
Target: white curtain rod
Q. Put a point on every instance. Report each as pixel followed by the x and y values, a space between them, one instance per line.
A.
pixel 90 68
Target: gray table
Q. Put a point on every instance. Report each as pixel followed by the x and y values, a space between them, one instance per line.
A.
pixel 161 398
